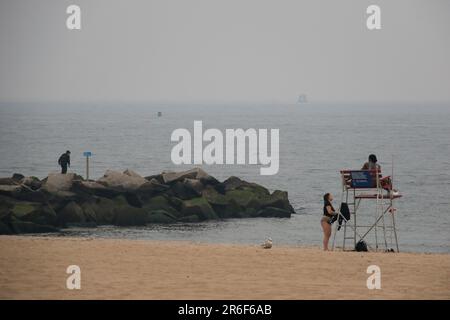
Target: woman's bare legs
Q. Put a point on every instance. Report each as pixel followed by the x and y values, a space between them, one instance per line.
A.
pixel 326 234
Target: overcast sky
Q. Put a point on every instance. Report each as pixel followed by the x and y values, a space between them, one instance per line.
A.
pixel 224 50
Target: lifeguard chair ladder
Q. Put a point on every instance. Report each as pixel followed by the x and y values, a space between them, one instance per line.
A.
pixel 358 185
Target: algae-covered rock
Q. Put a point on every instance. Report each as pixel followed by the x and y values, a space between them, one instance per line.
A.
pixel 89 211
pixel 241 197
pixel 181 190
pixel 129 216
pixel 71 214
pixel 104 210
pixel 214 197
pixel 44 215
pixel 200 207
pixel 34 212
pixel 120 200
pixel 21 209
pixel 160 216
pixel 279 199
pixel 160 203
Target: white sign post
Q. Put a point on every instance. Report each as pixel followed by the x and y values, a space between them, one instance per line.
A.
pixel 87 154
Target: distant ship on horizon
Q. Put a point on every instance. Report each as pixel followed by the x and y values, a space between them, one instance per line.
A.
pixel 302 98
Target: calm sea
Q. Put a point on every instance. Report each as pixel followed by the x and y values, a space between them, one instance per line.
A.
pixel 316 141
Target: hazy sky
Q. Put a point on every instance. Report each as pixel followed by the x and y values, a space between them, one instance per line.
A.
pixel 224 50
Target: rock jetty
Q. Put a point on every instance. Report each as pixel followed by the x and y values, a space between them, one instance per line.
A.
pixel 30 205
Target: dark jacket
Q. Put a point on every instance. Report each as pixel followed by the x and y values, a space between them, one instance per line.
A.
pixel 64 160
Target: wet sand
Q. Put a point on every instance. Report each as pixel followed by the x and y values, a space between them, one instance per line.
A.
pixel 35 268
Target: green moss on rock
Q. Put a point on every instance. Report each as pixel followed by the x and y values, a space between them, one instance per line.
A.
pixel 200 207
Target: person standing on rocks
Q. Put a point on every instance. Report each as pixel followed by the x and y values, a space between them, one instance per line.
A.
pixel 64 161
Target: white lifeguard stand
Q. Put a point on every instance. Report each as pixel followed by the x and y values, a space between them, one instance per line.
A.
pixel 378 191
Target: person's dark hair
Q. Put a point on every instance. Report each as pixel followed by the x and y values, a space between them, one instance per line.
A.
pixel 326 197
pixel 68 151
pixel 373 158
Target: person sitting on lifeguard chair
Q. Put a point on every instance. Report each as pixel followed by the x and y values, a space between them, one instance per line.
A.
pixel 372 164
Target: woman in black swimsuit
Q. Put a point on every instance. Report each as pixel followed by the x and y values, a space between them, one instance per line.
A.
pixel 328 213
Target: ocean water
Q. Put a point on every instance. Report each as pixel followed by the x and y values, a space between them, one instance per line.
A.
pixel 316 141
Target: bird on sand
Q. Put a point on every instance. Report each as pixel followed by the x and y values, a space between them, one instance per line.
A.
pixel 267 244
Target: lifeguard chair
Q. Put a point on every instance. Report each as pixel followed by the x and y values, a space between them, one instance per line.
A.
pixel 368 185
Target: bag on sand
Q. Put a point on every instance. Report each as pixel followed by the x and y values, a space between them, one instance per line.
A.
pixel 361 246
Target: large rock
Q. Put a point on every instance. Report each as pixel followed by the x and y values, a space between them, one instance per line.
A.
pixel 88 208
pixel 22 208
pixel 152 186
pixel 129 216
pixel 157 177
pixel 176 203
pixel 28 194
pixel 183 191
pixel 195 185
pixel 132 173
pixel 24 192
pixel 10 189
pixel 32 183
pixel 17 177
pixel 44 215
pixel 234 204
pixel 195 173
pixel 244 198
pixel 103 209
pixel 200 207
pixel 71 215
pixel 56 182
pixel 160 216
pixel 214 197
pixel 122 181
pixel 14 180
pixel 94 188
pixel 8 182
pixel 230 210
pixel 161 203
pixel 233 183
pixel 279 199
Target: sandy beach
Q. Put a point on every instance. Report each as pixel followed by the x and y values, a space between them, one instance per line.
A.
pixel 35 268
